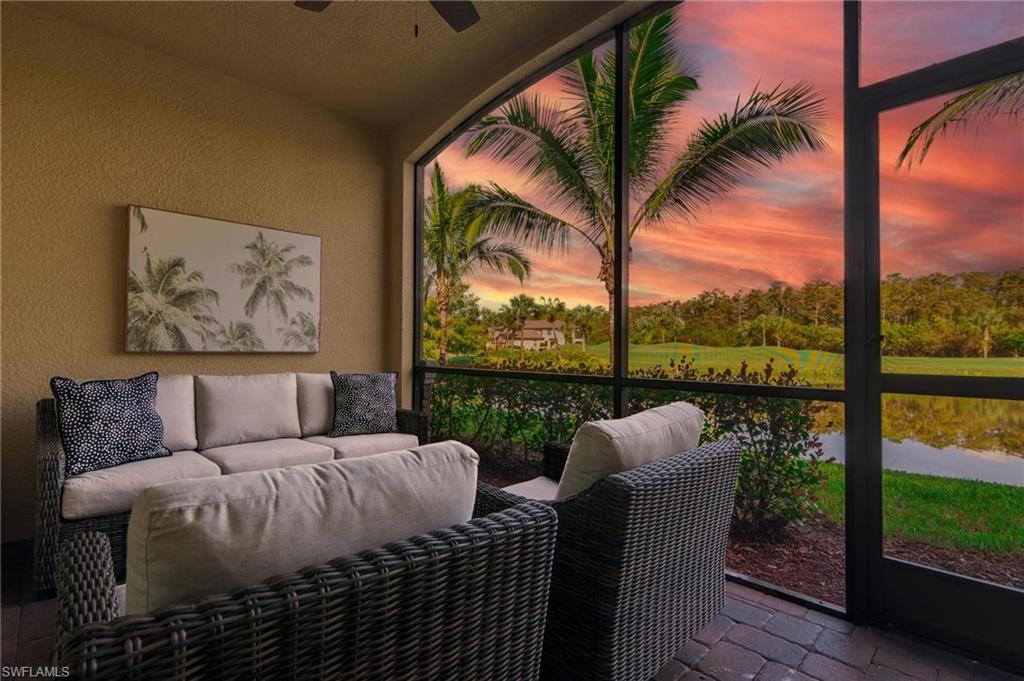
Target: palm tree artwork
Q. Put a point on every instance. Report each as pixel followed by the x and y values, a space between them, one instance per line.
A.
pixel 268 272
pixel 239 337
pixel 568 152
pixel 302 333
pixel 166 304
pixel 457 242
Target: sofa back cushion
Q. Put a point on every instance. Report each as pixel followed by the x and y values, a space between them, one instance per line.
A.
pixel 316 403
pixel 193 538
pixel 235 409
pixel 176 404
pixel 602 448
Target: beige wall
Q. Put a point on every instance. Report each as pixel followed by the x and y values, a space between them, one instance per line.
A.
pixel 90 124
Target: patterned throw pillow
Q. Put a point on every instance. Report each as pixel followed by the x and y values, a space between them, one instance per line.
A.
pixel 108 423
pixel 364 404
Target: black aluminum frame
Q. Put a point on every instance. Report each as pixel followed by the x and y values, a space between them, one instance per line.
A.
pixel 977 616
pixel 870 578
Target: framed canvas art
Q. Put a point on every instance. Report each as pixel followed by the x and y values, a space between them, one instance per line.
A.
pixel 199 284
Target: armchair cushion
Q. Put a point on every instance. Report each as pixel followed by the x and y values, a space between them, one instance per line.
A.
pixel 602 448
pixel 193 538
pixel 113 490
pixel 541 488
pixel 351 446
pixel 258 456
pixel 234 409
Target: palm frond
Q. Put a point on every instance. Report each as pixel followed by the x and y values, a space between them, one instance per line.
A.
pixel 1000 97
pixel 506 214
pixel 725 151
pixel 541 141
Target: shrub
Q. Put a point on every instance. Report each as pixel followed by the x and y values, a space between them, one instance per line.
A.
pixel 508 421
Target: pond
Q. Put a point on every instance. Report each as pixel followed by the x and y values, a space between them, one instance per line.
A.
pixel 912 456
pixel 953 437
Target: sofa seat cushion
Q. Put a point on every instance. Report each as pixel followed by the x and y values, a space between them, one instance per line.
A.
pixel 187 540
pixel 259 456
pixel 234 409
pixel 113 490
pixel 602 448
pixel 351 446
pixel 542 488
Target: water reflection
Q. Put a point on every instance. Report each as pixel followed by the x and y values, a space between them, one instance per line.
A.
pixel 912 456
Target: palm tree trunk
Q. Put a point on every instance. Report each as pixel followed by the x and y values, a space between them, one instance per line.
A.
pixel 607 275
pixel 986 341
pixel 442 310
pixel 522 340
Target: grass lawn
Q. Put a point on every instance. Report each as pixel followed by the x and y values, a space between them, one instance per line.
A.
pixel 947 512
pixel 820 368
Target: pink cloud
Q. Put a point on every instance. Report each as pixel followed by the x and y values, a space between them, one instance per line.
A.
pixel 963 209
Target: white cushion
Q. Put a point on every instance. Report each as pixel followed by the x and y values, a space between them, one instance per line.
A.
pixel 542 489
pixel 233 409
pixel 351 446
pixel 316 403
pixel 176 404
pixel 113 490
pixel 258 456
pixel 194 539
pixel 602 448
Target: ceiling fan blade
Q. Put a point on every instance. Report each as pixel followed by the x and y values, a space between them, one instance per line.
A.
pixel 460 14
pixel 313 5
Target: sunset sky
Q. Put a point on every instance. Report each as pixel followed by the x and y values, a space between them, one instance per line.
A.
pixel 963 209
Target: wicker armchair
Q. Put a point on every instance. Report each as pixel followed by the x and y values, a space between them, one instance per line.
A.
pixel 639 562
pixel 51 528
pixel 465 602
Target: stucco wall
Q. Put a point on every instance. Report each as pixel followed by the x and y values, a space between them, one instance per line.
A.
pixel 90 124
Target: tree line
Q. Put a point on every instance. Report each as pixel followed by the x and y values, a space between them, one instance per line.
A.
pixel 970 314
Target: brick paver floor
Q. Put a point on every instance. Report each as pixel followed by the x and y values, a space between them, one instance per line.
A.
pixel 758 637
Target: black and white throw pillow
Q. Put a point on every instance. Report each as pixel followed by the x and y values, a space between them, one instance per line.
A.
pixel 364 404
pixel 108 423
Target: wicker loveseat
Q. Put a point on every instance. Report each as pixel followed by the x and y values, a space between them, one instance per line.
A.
pixel 464 602
pixel 214 425
pixel 639 562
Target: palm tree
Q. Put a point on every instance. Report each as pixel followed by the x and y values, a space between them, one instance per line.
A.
pixel 984 320
pixel 1002 96
pixel 268 271
pixel 456 243
pixel 518 310
pixel 553 309
pixel 167 303
pixel 301 332
pixel 239 337
pixel 569 152
pixel 582 318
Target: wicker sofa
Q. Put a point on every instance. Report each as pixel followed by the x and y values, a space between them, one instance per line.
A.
pixel 639 561
pixel 215 425
pixel 464 602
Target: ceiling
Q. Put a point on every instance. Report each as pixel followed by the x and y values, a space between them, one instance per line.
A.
pixel 360 59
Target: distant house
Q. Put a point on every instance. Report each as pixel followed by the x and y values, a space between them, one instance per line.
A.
pixel 537 334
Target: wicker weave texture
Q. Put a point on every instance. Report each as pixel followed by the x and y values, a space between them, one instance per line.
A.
pixel 466 602
pixel 52 529
pixel 639 564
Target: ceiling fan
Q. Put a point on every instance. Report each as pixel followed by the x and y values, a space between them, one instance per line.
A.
pixel 459 14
